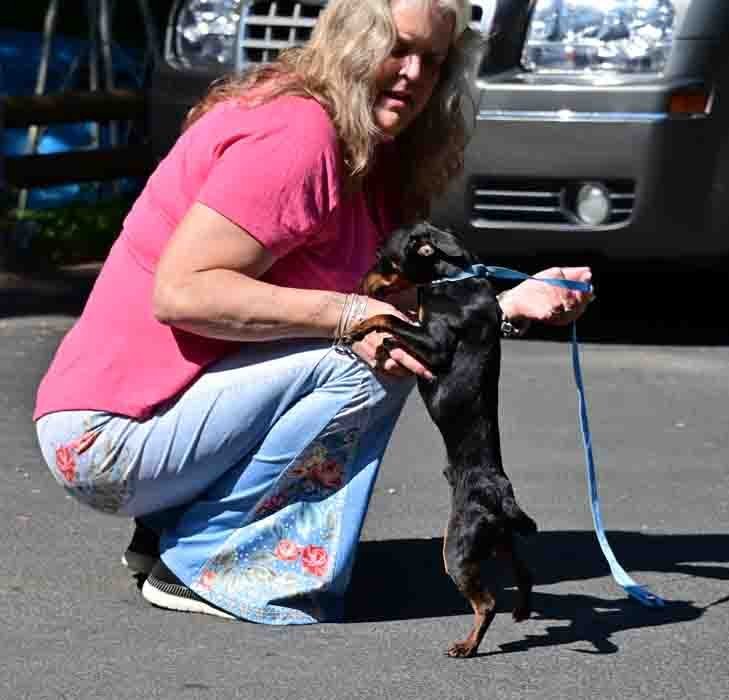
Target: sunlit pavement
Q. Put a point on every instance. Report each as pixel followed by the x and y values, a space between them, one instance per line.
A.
pixel 75 626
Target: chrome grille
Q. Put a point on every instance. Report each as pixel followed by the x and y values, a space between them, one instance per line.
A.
pixel 273 26
pixel 496 203
pixel 269 27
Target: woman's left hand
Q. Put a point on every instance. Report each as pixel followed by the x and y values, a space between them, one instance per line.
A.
pixel 536 301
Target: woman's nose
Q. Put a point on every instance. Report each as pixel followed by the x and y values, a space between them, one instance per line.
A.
pixel 411 66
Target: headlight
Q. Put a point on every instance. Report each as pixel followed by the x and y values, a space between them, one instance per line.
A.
pixel 622 36
pixel 231 33
pixel 204 31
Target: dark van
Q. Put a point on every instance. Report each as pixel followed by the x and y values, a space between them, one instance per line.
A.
pixel 600 126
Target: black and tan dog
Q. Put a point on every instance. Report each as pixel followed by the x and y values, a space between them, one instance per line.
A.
pixel 459 340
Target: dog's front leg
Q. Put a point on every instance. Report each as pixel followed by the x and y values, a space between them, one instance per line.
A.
pixel 415 340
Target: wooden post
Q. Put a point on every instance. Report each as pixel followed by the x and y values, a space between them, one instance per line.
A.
pixel 73 106
pixel 3 193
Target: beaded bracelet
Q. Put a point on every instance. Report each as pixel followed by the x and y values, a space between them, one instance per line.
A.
pixel 353 312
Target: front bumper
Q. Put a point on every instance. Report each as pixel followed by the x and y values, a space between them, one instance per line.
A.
pixel 535 141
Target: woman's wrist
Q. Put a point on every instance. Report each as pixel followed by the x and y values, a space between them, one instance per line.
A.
pixel 513 324
pixel 509 306
pixel 353 311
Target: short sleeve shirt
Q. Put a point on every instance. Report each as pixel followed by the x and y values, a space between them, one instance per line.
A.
pixel 275 170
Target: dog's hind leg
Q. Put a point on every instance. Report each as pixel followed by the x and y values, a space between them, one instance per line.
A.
pixel 466 574
pixel 468 580
pixel 524 582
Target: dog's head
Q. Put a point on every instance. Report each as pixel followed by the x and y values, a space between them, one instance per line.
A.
pixel 415 256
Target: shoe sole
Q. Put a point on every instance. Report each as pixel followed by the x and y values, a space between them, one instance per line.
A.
pixel 171 601
pixel 138 563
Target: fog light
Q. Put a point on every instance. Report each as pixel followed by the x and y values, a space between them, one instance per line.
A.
pixel 593 204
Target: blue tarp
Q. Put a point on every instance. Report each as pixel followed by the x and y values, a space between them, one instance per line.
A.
pixel 19 60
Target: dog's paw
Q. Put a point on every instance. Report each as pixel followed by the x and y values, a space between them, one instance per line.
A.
pixel 523 608
pixel 521 613
pixel 462 650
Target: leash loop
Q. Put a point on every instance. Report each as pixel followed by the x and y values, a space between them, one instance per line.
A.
pixel 621 577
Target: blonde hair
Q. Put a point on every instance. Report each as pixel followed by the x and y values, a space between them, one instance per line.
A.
pixel 338 66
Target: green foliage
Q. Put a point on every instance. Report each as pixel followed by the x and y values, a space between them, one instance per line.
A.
pixel 70 234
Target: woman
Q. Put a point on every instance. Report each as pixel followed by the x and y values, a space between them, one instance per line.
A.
pixel 199 391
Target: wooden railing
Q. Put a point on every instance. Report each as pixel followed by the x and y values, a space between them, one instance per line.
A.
pixel 100 164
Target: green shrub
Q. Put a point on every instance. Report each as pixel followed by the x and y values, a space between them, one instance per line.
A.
pixel 67 235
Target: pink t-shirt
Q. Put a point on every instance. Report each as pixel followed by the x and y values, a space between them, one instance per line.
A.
pixel 275 171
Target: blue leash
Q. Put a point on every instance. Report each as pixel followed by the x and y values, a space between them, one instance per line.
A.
pixel 633 589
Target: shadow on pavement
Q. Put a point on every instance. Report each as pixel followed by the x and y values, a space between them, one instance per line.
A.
pixel 58 292
pixel 404 579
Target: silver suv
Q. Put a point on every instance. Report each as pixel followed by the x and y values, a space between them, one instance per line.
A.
pixel 601 125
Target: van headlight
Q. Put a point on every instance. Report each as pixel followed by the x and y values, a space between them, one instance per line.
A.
pixel 203 32
pixel 620 36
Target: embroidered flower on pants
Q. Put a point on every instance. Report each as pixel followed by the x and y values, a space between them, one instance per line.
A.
pixel 66 462
pixel 317 453
pixel 80 445
pixel 273 503
pixel 314 560
pixel 66 454
pixel 328 473
pixel 207 579
pixel 286 550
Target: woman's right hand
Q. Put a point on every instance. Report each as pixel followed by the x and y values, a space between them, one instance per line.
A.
pixel 399 363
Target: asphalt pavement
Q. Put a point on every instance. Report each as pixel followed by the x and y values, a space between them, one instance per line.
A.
pixel 74 625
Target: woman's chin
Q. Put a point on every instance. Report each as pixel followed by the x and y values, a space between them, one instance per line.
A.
pixel 390 123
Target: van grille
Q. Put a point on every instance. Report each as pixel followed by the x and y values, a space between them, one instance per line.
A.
pixel 496 203
pixel 270 27
pixel 273 26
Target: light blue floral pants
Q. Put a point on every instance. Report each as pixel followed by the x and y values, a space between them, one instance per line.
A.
pixel 258 476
